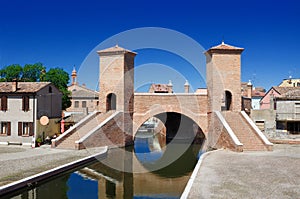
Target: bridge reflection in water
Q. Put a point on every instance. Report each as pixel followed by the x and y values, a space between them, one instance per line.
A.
pixel 149 177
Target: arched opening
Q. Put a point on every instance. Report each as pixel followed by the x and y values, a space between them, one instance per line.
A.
pixel 228 101
pixel 167 138
pixel 111 102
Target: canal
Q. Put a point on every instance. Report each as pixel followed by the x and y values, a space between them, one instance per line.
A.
pixel 149 169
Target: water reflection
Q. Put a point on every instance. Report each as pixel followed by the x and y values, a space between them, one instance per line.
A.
pixel 99 180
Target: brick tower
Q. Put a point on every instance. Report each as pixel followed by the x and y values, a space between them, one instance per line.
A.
pixel 223 76
pixel 116 80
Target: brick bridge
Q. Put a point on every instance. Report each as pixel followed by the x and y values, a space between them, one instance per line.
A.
pixel 217 112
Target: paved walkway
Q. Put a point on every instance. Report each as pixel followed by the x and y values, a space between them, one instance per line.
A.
pixel 17 162
pixel 225 174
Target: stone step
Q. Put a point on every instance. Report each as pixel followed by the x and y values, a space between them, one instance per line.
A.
pixel 244 132
pixel 69 140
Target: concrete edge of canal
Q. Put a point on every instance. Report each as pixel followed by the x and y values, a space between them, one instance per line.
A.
pixel 31 180
pixel 190 183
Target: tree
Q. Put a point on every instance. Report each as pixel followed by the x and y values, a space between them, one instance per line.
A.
pixel 11 72
pixel 37 73
pixel 33 72
pixel 60 79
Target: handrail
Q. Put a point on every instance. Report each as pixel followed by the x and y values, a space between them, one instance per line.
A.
pixel 97 127
pixel 256 129
pixel 229 130
pixel 75 126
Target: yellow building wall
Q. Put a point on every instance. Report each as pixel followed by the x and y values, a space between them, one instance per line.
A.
pixel 52 128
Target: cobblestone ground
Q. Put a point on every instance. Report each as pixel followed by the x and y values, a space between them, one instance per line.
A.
pixel 225 174
pixel 17 162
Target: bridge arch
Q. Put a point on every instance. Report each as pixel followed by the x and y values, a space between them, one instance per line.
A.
pixel 175 122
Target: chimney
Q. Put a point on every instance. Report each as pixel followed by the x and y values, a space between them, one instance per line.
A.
pixel 170 87
pixel 249 89
pixel 186 87
pixel 14 85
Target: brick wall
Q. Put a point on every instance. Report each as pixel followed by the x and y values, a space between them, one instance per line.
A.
pixel 218 136
pixel 148 105
pixel 111 134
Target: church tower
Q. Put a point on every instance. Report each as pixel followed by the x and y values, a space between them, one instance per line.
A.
pixel 223 76
pixel 74 77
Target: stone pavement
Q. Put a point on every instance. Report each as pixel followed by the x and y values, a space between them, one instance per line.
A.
pixel 226 174
pixel 17 162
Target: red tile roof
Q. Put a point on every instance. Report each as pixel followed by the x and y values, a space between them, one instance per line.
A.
pixel 23 87
pixel 287 91
pixel 159 88
pixel 114 49
pixel 225 47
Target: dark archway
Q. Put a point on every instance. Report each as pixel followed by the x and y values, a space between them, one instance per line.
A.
pixel 111 100
pixel 183 139
pixel 228 100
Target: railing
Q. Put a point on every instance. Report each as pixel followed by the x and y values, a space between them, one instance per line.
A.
pixel 228 129
pixel 97 127
pixel 256 129
pixel 74 127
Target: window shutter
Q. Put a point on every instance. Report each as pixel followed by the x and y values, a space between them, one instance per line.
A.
pixel 8 129
pixel 25 103
pixel 31 129
pixel 4 103
pixel 19 128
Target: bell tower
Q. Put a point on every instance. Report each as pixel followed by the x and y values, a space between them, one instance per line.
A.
pixel 223 76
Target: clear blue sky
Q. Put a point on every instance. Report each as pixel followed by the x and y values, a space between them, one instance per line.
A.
pixel 62 33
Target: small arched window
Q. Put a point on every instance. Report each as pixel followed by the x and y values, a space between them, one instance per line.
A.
pixel 111 102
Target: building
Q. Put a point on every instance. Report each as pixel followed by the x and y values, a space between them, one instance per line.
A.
pixel 287 108
pixel 280 110
pixel 161 88
pixel 28 110
pixel 267 102
pixel 83 100
pixel 254 93
pixel 290 82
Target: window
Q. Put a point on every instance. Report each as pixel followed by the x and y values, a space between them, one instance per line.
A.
pixel 4 103
pixel 83 104
pixel 297 110
pixel 50 89
pixel 5 128
pixel 260 125
pixel 25 129
pixel 76 105
pixel 25 103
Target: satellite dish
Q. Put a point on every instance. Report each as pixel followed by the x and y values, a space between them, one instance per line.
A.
pixel 44 120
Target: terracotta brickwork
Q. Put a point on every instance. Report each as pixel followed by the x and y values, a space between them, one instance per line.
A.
pixel 133 109
pixel 147 105
pixel 111 134
pixel 245 133
pixel 117 77
pixel 223 73
pixel 218 135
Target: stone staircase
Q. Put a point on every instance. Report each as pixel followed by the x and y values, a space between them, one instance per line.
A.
pixel 246 133
pixel 67 140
